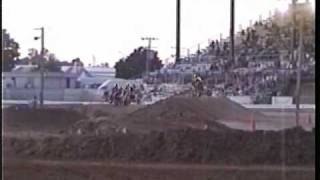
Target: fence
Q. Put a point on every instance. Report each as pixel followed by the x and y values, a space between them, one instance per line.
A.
pixel 241 99
pixel 53 94
pixel 285 100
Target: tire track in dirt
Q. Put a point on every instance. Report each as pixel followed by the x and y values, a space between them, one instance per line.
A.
pixel 172 166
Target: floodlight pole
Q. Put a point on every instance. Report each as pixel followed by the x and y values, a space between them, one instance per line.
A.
pixel 149 39
pixel 178 22
pixel 41 67
pixel 298 85
pixel 294 30
pixel 232 30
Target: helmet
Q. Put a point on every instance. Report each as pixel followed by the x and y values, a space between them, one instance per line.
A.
pixel 194 76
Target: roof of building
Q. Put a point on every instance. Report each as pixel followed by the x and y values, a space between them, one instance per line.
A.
pixel 77 70
pixel 100 70
pixel 37 74
pixel 24 68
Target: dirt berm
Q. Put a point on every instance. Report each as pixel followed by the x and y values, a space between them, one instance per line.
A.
pixel 40 120
pixel 185 112
pixel 179 108
pixel 296 147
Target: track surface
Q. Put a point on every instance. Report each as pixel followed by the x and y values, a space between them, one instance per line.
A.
pixel 16 168
pixel 43 169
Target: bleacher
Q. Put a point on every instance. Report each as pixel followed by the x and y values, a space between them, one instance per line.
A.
pixel 262 50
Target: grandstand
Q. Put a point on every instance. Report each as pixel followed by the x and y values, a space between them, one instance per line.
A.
pixel 262 66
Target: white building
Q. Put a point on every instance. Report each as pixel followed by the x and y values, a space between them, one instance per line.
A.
pixel 32 80
pixel 28 77
pixel 103 72
pixel 24 83
pixel 95 76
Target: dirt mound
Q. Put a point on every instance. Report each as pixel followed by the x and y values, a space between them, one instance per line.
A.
pixel 46 119
pixel 226 109
pixel 176 111
pixel 193 146
pixel 185 112
pixel 173 113
pixel 98 126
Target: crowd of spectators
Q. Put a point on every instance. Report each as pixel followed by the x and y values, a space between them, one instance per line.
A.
pixel 262 62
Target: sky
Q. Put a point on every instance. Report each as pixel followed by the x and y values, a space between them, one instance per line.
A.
pixel 111 29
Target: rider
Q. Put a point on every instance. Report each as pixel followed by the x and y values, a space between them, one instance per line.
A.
pixel 115 88
pixel 197 83
pixel 127 95
pixel 196 79
pixel 199 79
pixel 126 90
pixel 106 95
pixel 132 92
pixel 119 93
pixel 127 87
pixel 141 87
pixel 113 92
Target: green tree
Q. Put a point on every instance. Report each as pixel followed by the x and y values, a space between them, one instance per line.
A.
pixel 135 64
pixel 10 51
pixel 52 64
pixel 105 64
pixel 78 61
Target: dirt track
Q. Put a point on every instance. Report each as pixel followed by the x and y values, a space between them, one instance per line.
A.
pixel 39 170
pixel 189 144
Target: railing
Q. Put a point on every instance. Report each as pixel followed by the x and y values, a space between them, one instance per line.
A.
pixel 52 94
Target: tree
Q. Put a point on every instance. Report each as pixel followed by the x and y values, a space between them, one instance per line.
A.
pixel 9 51
pixel 52 64
pixel 78 61
pixel 105 65
pixel 32 58
pixel 65 63
pixel 135 64
pixel 212 45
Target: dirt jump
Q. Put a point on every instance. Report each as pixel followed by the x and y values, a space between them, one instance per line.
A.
pixel 177 130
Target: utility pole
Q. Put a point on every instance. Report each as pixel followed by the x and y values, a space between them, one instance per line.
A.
pixel 198 53
pixel 93 60
pixel 188 54
pixel 178 32
pixel 293 43
pixel 183 48
pixel 149 39
pixel 41 65
pixel 232 29
pixel 298 87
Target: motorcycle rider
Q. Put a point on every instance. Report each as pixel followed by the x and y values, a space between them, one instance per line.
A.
pixel 126 94
pixel 118 96
pixel 199 80
pixel 197 83
pixel 196 79
pixel 113 93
